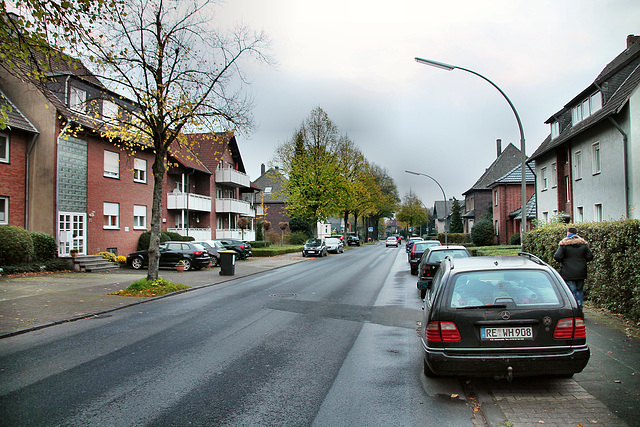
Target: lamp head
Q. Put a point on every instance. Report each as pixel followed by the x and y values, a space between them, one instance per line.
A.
pixel 436 64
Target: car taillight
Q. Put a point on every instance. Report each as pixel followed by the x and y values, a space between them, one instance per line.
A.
pixel 241 246
pixel 198 253
pixel 442 331
pixel 570 328
pixel 413 251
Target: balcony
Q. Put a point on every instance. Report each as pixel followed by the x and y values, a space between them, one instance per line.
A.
pixel 193 202
pixel 235 206
pixel 232 177
pixel 196 233
pixel 236 234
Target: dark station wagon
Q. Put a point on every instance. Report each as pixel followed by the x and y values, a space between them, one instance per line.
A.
pixel 501 317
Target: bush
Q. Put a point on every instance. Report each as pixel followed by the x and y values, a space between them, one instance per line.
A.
pixel 45 247
pixel 455 238
pixel 57 264
pixel 482 233
pixel 514 239
pixel 16 245
pixel 108 255
pixel 260 244
pixel 298 238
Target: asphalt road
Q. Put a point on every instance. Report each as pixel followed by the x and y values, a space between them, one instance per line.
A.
pixel 330 341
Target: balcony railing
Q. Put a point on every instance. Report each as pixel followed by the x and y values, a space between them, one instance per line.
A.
pixel 232 177
pixel 193 202
pixel 235 206
pixel 236 234
pixel 196 233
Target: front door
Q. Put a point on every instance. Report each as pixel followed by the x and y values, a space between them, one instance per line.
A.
pixel 71 232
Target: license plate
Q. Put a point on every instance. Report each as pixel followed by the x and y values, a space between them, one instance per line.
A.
pixel 508 333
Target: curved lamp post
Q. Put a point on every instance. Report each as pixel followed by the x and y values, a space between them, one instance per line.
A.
pixel 523 212
pixel 445 201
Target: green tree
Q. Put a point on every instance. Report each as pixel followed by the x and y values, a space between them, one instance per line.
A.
pixel 483 233
pixel 182 75
pixel 456 225
pixel 411 212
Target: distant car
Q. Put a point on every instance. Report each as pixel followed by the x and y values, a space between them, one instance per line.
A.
pixel 411 241
pixel 391 241
pixel 505 316
pixel 430 261
pixel 212 246
pixel 339 236
pixel 417 250
pixel 334 245
pixel 315 247
pixel 353 240
pixel 242 248
pixel 192 255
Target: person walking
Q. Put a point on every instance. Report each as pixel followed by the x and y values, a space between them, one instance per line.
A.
pixel 573 254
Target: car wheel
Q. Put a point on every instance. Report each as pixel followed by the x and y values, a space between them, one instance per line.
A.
pixel 414 271
pixel 187 264
pixel 303 255
pixel 427 370
pixel 214 262
pixel 423 292
pixel 137 263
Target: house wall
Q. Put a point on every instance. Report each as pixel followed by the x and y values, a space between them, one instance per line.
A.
pixel 122 190
pixel 547 199
pixel 12 182
pixel 633 147
pixel 42 181
pixel 509 199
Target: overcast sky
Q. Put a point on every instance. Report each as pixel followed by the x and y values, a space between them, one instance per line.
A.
pixel 355 60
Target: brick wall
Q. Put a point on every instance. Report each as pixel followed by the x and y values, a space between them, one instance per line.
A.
pixel 12 176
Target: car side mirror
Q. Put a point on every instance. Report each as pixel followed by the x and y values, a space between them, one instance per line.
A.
pixel 424 284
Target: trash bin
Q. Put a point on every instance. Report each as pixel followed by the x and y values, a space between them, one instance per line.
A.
pixel 227 263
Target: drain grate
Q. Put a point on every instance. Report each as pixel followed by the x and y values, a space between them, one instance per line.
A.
pixel 283 295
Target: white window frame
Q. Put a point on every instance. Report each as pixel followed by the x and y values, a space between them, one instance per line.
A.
pixel 4 210
pixel 580 214
pixel 554 175
pixel 543 178
pixel 577 165
pixel 111 213
pixel 586 108
pixel 555 129
pixel 77 99
pixel 139 217
pixel 111 164
pixel 596 159
pixel 219 193
pixel 109 110
pixel 495 197
pixel 4 148
pixel 567 181
pixel 545 216
pixel 597 212
pixel 267 190
pixel 140 170
pixel 219 223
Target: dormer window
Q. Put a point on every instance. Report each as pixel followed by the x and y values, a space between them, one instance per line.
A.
pixel 555 129
pixel 109 110
pixel 586 108
pixel 77 99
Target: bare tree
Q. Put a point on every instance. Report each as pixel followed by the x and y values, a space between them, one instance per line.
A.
pixel 283 226
pixel 182 75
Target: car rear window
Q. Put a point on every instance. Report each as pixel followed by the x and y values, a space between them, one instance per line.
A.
pixel 522 287
pixel 437 256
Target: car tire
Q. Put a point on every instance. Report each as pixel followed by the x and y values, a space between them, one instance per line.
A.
pixel 187 264
pixel 303 255
pixel 414 271
pixel 214 262
pixel 137 263
pixel 427 370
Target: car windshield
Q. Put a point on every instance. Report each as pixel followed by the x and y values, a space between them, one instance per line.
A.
pixel 522 287
pixel 332 241
pixel 314 242
pixel 437 256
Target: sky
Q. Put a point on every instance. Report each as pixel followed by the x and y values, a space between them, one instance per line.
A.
pixel 355 60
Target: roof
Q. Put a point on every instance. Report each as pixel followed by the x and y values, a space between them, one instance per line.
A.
pixel 531 209
pixel 507 160
pixel 15 118
pixel 623 64
pixel 275 179
pixel 514 176
pixel 183 155
pixel 210 147
pixel 439 207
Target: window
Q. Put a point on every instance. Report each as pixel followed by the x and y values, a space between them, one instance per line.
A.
pixel 555 129
pixel 219 193
pixel 579 214
pixel 267 190
pixel 140 170
pixel 4 148
pixel 495 197
pixel 545 216
pixel 4 210
pixel 554 175
pixel 597 212
pixel 586 108
pixel 77 99
pixel 139 217
pixel 111 164
pixel 219 223
pixel 109 110
pixel 567 189
pixel 595 158
pixel 111 212
pixel 179 186
pixel 543 178
pixel 577 165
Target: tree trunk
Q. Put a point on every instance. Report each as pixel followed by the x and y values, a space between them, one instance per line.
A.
pixel 156 216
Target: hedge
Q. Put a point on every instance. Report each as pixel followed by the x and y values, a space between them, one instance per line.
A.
pixel 613 280
pixel 455 238
pixel 16 245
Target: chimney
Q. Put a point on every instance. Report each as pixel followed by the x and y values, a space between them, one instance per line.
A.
pixel 631 39
pixel 499 147
pixel 262 171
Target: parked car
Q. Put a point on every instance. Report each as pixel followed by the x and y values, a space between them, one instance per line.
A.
pixel 314 246
pixel 212 247
pixel 192 255
pixel 505 316
pixel 242 248
pixel 430 261
pixel 353 240
pixel 339 236
pixel 334 245
pixel 411 241
pixel 416 253
pixel 391 241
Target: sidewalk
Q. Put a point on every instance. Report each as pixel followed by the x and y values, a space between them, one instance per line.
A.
pixel 32 302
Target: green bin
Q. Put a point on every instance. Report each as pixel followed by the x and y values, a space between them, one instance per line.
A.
pixel 227 263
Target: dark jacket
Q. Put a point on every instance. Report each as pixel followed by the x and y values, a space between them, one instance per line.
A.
pixel 573 254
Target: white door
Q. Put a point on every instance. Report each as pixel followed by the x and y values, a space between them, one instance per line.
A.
pixel 71 232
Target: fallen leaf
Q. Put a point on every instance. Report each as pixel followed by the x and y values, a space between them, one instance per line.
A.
pixel 454 396
pixel 617 381
pixel 541 422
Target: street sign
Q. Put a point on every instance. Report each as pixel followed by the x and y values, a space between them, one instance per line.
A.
pixel 370 229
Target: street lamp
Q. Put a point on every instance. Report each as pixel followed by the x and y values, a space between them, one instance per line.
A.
pixel 445 202
pixel 523 212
